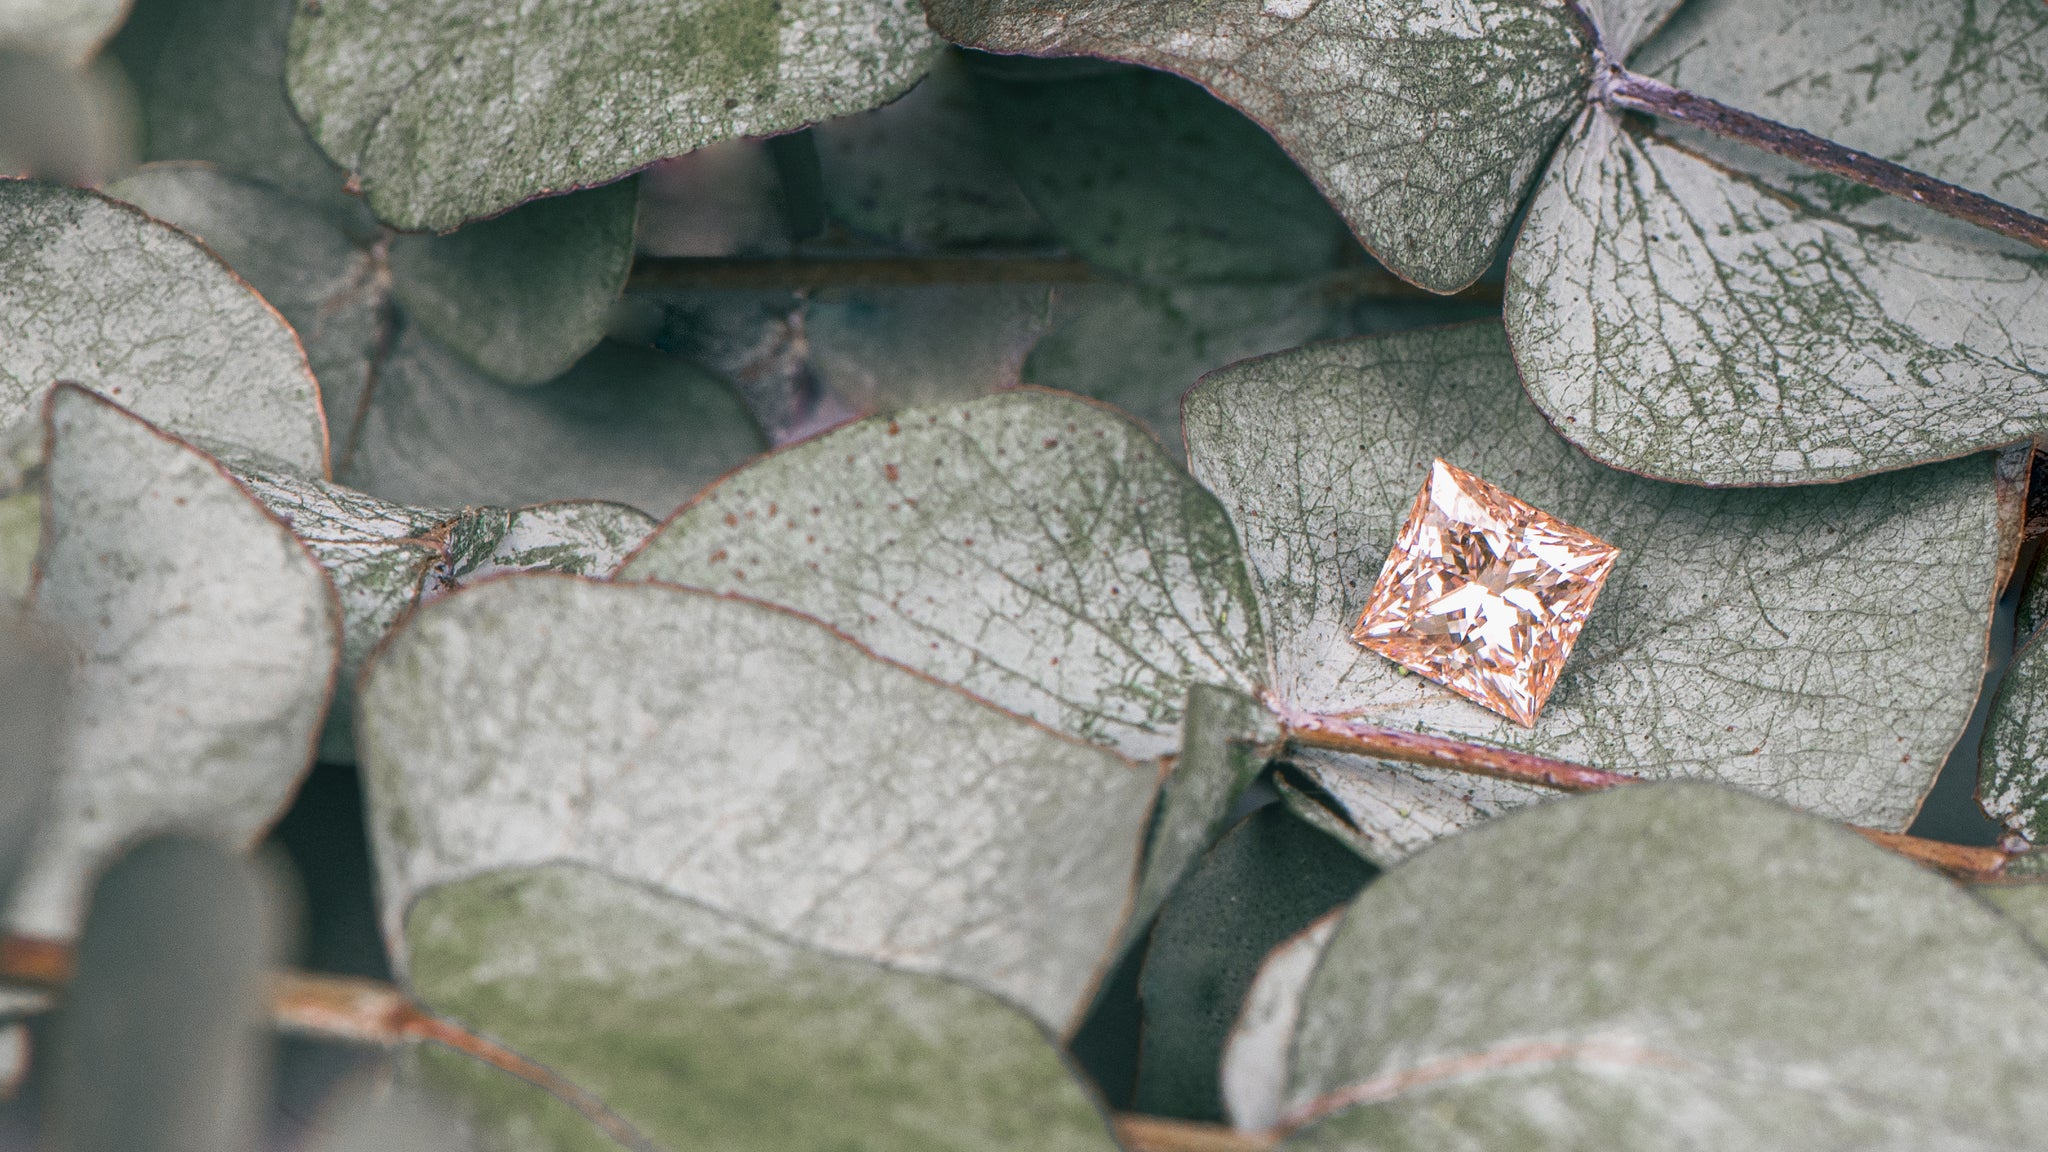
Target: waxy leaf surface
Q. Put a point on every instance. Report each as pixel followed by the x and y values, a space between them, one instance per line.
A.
pixel 1034 549
pixel 2013 770
pixel 452 110
pixel 1422 121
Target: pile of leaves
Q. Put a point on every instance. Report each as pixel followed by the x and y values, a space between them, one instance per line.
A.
pixel 827 532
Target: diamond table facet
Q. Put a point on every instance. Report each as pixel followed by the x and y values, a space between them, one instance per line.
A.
pixel 1484 593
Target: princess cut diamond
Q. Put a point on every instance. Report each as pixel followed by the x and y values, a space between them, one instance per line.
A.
pixel 1484 593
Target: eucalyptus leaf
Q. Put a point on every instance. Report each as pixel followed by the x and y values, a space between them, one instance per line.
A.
pixel 1670 965
pixel 724 199
pixel 1624 25
pixel 1385 810
pixel 1148 176
pixel 577 537
pixel 206 641
pixel 1253 1073
pixel 2013 764
pixel 1034 549
pixel 34 701
pixel 617 988
pixel 885 349
pixel 65 124
pixel 625 424
pixel 21 509
pixel 93 291
pixel 71 30
pixel 1422 121
pixel 2024 904
pixel 1736 639
pixel 677 739
pixel 525 295
pixel 452 110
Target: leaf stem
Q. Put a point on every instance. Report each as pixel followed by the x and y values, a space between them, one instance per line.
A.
pixel 1617 87
pixel 1140 1133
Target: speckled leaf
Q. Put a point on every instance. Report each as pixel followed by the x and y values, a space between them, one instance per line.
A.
pixel 326 284
pixel 71 30
pixel 1682 310
pixel 452 110
pixel 1253 1075
pixel 1146 175
pixel 206 642
pixel 1268 879
pixel 2013 766
pixel 93 291
pixel 1034 549
pixel 1422 121
pixel 615 987
pixel 1714 972
pixel 525 295
pixel 745 757
pixel 1737 638
pixel 578 537
pixel 626 424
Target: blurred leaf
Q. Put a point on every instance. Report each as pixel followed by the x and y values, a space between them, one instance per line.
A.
pixel 450 110
pixel 756 341
pixel 922 173
pixel 1736 639
pixel 742 756
pixel 1253 1076
pixel 525 295
pixel 68 30
pixel 1625 24
pixel 885 349
pixel 1261 884
pixel 34 705
pixel 724 199
pixel 206 643
pixel 2024 904
pixel 1147 175
pixel 93 291
pixel 330 288
pixel 1036 550
pixel 72 125
pixel 1670 966
pixel 21 508
pixel 618 988
pixel 625 424
pixel 161 1044
pixel 1422 121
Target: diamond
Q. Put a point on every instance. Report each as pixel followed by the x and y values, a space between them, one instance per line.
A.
pixel 1484 593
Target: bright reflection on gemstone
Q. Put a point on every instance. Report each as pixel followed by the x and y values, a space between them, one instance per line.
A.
pixel 1484 594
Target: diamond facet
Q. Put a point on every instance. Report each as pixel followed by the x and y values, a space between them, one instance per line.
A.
pixel 1484 594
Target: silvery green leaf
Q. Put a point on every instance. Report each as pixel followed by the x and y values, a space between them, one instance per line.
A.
pixel 1422 121
pixel 2012 782
pixel 615 987
pixel 95 292
pixel 2025 904
pixel 922 173
pixel 34 701
pixel 1672 965
pixel 21 508
pixel 1685 310
pixel 205 642
pixel 625 424
pixel 577 537
pixel 1034 549
pixel 330 287
pixel 1624 25
pixel 1146 175
pixel 524 295
pixel 1385 810
pixel 70 30
pixel 1253 1075
pixel 888 348
pixel 450 110
pixel 745 757
pixel 1736 639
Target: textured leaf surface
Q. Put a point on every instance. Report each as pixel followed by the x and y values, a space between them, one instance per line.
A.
pixel 206 641
pixel 1385 810
pixel 763 766
pixel 2013 766
pixel 1261 884
pixel 1253 1076
pixel 1146 175
pixel 1034 549
pixel 626 424
pixel 1624 25
pixel 452 110
pixel 1683 310
pixel 1422 121
pixel 95 292
pixel 577 537
pixel 1671 966
pixel 525 295
pixel 326 285
pixel 617 987
pixel 1737 638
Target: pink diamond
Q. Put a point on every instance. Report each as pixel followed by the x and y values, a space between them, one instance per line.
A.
pixel 1484 594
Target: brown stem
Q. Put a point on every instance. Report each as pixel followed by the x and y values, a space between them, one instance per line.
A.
pixel 1139 1133
pixel 1620 88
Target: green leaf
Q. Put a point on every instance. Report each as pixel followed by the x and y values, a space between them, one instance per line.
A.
pixel 525 295
pixel 21 509
pixel 701 1032
pixel 71 30
pixel 1148 176
pixel 1384 810
pixel 1265 881
pixel 2012 782
pixel 886 349
pixel 1034 549
pixel 325 283
pixel 1684 309
pixel 625 424
pixel 94 291
pixel 1422 121
pixel 1253 1075
pixel 205 639
pixel 745 757
pixel 577 537
pixel 2024 904
pixel 1670 966
pixel 1736 639
pixel 450 111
